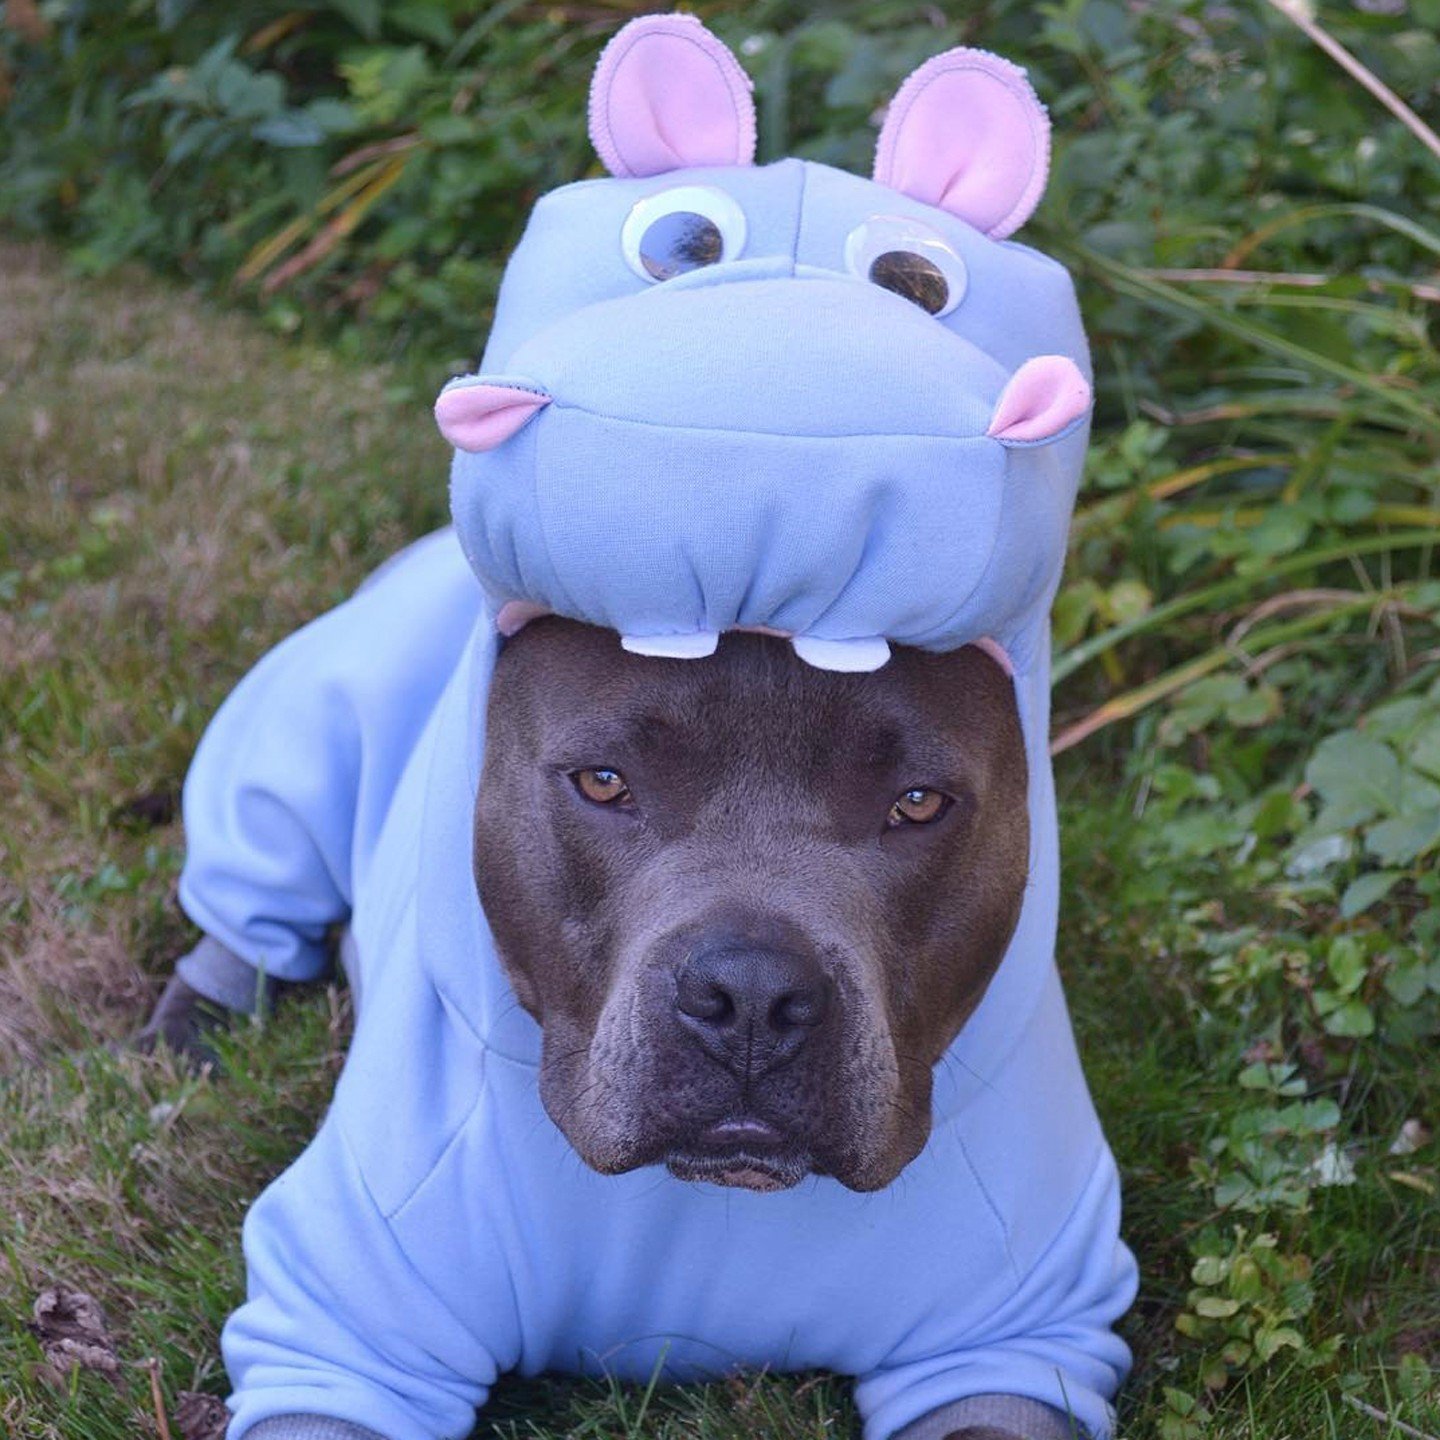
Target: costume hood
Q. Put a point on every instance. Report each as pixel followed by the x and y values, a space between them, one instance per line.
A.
pixel 720 395
pixel 786 398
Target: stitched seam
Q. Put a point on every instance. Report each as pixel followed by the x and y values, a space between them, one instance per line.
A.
pixel 990 1205
pixel 771 434
pixel 400 1249
pixel 1081 1192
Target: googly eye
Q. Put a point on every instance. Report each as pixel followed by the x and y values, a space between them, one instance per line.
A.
pixel 909 258
pixel 684 228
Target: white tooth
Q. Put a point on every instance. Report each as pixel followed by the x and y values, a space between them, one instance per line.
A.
pixel 851 656
pixel 673 647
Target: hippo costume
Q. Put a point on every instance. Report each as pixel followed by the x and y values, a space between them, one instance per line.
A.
pixel 716 396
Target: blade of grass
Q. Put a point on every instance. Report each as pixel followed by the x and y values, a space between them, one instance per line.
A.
pixel 264 254
pixel 1297 16
pixel 276 30
pixel 1253 514
pixel 1349 210
pixel 1177 482
pixel 339 227
pixel 1224 592
pixel 1132 702
pixel 1317 462
pixel 1129 281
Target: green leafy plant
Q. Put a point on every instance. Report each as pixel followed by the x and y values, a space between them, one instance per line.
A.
pixel 1272 1156
pixel 1248 1303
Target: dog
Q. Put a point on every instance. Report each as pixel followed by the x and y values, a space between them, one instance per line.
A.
pixel 689 811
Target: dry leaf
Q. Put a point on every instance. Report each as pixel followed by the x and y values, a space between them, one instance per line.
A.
pixel 73 1333
pixel 200 1417
pixel 24 17
pixel 1413 1136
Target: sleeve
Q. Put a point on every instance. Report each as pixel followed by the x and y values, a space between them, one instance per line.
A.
pixel 1050 1341
pixel 310 1427
pixel 269 807
pixel 292 778
pixel 340 1328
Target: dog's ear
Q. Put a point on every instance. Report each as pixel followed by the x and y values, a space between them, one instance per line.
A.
pixel 967 133
pixel 666 95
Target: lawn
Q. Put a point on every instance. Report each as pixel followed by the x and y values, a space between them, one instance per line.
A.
pixel 183 489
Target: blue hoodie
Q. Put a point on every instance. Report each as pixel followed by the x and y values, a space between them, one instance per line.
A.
pixel 791 432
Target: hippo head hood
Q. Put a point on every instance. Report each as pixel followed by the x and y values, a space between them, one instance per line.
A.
pixel 781 397
pixel 849 412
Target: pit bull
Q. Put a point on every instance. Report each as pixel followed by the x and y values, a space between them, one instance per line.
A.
pixel 689 809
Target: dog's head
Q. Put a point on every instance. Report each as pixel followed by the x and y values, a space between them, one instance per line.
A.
pixel 749 902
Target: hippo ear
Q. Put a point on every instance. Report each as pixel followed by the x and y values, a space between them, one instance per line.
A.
pixel 475 413
pixel 666 95
pixel 967 133
pixel 1043 397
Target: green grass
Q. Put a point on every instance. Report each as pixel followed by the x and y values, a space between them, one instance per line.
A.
pixel 178 491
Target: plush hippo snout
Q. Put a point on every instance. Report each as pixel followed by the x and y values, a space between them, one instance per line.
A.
pixel 873 513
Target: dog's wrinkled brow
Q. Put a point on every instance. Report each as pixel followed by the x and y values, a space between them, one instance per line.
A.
pixel 604 739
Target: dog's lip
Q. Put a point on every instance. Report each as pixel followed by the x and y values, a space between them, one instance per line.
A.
pixel 740 1150
pixel 739 1168
pixel 742 1133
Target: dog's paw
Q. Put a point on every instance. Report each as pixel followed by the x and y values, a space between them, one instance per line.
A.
pixel 184 1022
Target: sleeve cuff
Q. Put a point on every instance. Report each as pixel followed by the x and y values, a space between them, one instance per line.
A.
pixel 216 972
pixel 1015 1415
pixel 309 1427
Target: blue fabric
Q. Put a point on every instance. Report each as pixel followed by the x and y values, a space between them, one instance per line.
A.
pixel 299 764
pixel 774 442
pixel 771 440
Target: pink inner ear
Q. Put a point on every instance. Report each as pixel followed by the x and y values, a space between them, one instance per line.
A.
pixel 480 417
pixel 1044 395
pixel 666 95
pixel 967 133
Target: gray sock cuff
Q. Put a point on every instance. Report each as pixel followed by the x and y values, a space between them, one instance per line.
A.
pixel 1016 1415
pixel 309 1427
pixel 222 977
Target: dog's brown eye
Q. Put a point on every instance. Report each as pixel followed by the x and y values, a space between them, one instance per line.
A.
pixel 603 786
pixel 918 807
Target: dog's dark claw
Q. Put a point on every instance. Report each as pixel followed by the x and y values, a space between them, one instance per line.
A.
pixel 183 1021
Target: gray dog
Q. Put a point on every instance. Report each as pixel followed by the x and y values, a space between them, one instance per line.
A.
pixel 752 934
pixel 742 908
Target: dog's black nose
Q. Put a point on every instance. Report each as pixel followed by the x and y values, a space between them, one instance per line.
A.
pixel 750 1008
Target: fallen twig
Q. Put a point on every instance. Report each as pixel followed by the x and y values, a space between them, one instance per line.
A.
pixel 1384 1419
pixel 162 1425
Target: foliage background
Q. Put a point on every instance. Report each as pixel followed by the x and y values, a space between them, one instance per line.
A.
pixel 1248 671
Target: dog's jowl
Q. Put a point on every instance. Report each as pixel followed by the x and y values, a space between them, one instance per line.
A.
pixel 688 813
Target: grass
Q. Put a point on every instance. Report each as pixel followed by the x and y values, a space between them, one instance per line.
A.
pixel 179 490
